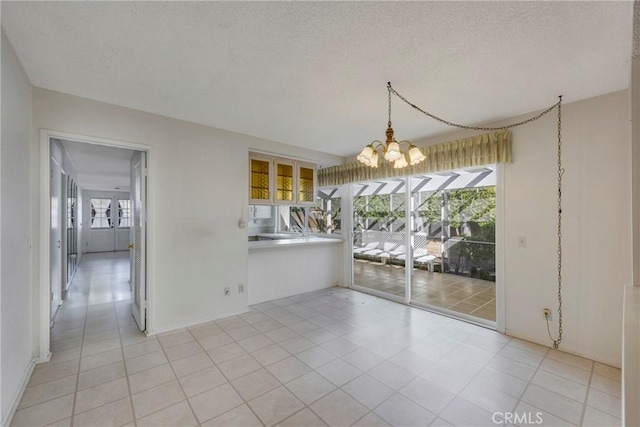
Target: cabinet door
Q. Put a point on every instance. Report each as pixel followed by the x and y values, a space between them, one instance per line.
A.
pixel 285 180
pixel 260 180
pixel 306 183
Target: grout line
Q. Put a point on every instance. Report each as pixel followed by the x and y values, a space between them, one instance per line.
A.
pixel 586 396
pixel 84 328
pixel 245 402
pixel 46 400
pixel 126 373
pixel 552 391
pixel 177 378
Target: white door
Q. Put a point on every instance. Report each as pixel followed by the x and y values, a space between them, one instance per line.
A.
pixel 123 222
pixel 138 238
pixel 56 236
pixel 109 221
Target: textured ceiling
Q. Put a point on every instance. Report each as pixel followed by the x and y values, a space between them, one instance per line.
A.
pixel 100 167
pixel 313 74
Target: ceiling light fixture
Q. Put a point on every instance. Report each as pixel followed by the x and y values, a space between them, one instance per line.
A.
pixel 391 148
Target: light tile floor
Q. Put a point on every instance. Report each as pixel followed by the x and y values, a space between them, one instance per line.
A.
pixel 458 293
pixel 334 357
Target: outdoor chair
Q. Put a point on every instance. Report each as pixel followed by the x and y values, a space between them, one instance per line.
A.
pixel 420 252
pixel 387 247
pixel 426 259
pixel 368 247
pixel 399 251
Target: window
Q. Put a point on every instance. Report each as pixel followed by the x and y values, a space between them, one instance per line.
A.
pixel 326 217
pixel 124 213
pixel 100 213
pixel 291 219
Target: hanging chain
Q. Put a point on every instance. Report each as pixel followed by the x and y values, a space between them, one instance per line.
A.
pixel 556 342
pixel 457 125
pixel 389 90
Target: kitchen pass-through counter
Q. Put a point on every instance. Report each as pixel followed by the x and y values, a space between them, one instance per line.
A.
pixel 280 268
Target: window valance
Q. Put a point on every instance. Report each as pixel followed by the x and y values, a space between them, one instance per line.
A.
pixel 478 150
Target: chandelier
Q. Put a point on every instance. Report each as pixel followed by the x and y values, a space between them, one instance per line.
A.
pixel 391 150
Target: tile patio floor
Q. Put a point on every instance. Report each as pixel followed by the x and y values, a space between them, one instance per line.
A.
pixel 458 293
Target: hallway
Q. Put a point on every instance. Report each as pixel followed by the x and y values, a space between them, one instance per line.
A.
pixel 101 279
pixel 87 337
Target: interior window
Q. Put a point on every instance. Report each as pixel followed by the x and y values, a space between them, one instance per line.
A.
pixel 100 213
pixel 124 213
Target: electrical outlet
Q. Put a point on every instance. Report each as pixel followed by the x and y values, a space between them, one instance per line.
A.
pixel 227 291
pixel 547 313
pixel 240 288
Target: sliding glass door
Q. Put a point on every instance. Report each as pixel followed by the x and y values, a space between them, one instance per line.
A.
pixel 379 237
pixel 447 240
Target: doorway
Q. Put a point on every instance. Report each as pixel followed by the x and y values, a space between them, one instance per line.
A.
pixel 89 189
pixel 109 216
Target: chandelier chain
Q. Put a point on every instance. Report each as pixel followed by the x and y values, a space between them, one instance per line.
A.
pixel 448 123
pixel 389 90
pixel 556 342
pixel 560 171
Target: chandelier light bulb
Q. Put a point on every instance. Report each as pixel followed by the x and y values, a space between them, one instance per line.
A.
pixel 401 162
pixel 365 155
pixel 415 155
pixel 392 153
pixel 374 160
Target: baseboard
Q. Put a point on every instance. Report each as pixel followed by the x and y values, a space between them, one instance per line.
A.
pixel 287 294
pixel 594 357
pixel 175 327
pixel 7 418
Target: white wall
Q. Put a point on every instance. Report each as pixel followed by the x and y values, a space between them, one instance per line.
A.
pixel 15 312
pixel 279 272
pixel 197 194
pixel 596 222
pixel 597 226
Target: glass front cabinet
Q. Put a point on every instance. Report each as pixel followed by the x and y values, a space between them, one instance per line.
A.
pixel 260 177
pixel 285 182
pixel 306 183
pixel 275 180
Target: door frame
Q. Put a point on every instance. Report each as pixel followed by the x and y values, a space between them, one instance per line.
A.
pixel 44 306
pixel 61 212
